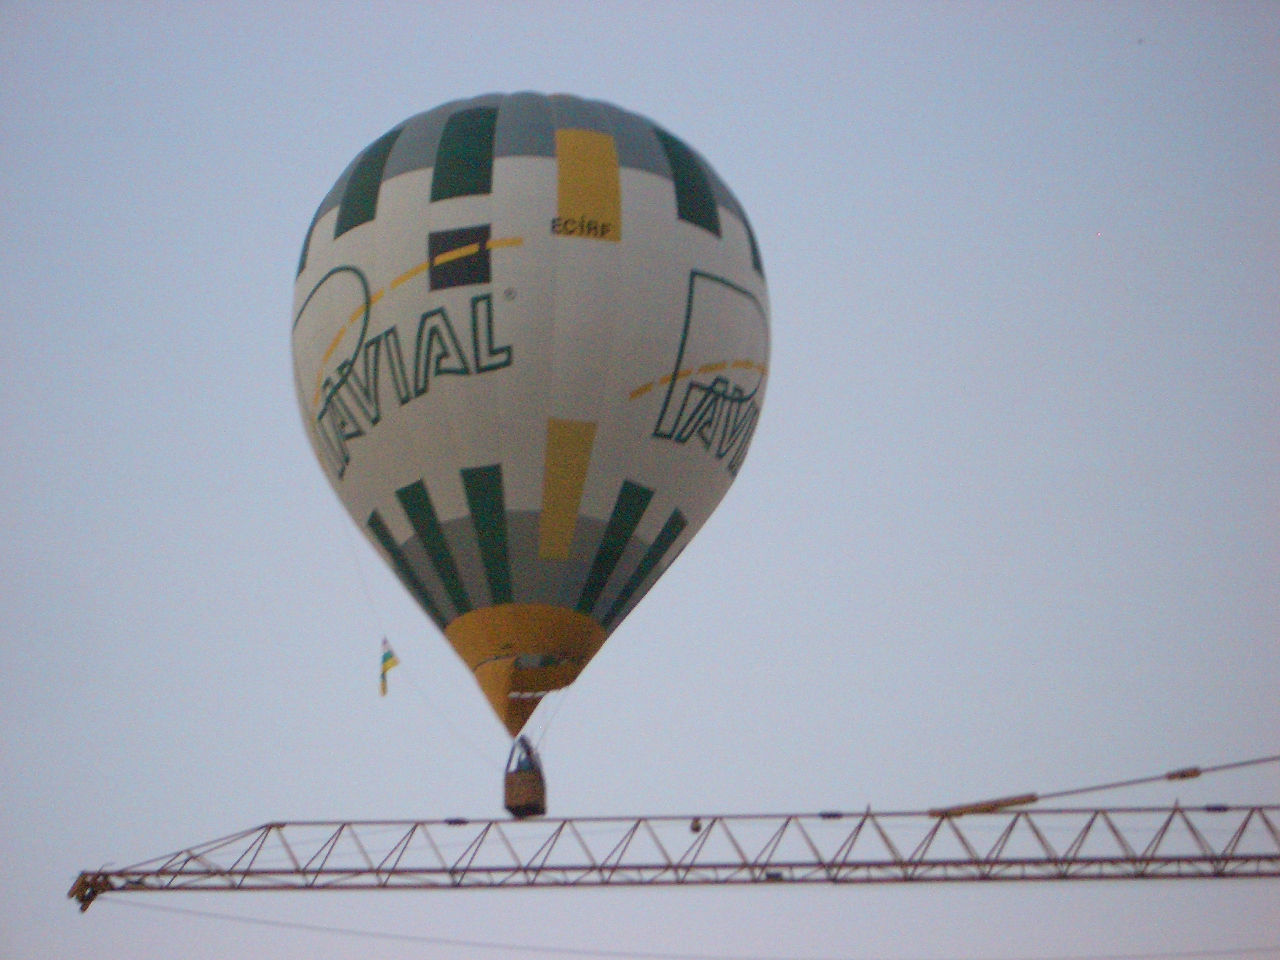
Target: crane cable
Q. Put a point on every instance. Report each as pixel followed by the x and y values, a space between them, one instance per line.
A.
pixel 640 955
pixel 1023 799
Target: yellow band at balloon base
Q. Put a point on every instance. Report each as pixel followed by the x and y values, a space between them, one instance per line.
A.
pixel 519 651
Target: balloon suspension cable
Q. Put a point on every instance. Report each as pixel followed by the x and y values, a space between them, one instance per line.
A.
pixel 454 732
pixel 364 582
pixel 563 695
pixel 1023 799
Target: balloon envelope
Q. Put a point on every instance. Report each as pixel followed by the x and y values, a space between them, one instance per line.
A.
pixel 530 342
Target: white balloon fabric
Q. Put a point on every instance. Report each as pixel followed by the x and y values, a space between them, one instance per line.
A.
pixel 530 341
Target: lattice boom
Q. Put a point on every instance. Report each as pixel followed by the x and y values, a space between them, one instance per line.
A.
pixel 833 847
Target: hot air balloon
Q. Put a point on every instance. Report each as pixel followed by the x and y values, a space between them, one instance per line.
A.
pixel 530 342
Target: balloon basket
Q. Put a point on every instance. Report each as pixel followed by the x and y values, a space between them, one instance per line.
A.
pixel 524 788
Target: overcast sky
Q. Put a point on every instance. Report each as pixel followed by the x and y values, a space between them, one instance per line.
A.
pixel 1010 521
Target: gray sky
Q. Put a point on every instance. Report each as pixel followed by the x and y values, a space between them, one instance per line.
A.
pixel 1010 521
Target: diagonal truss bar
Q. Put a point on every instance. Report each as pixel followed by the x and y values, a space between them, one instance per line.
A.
pixel 850 848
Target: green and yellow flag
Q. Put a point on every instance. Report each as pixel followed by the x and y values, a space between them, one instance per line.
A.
pixel 389 660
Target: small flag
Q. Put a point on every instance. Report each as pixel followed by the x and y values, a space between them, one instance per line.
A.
pixel 389 660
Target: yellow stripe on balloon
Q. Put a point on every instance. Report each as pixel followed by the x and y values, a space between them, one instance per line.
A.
pixel 450 255
pixel 568 458
pixel 498 243
pixel 408 275
pixel 663 381
pixel 589 189
pixel 356 314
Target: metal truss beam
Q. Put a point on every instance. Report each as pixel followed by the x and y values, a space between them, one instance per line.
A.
pixel 1133 843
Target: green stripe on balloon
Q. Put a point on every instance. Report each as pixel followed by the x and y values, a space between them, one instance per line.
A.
pixel 306 244
pixel 695 200
pixel 483 486
pixel 755 251
pixel 408 577
pixel 630 506
pixel 422 515
pixel 360 199
pixel 464 159
pixel 653 556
